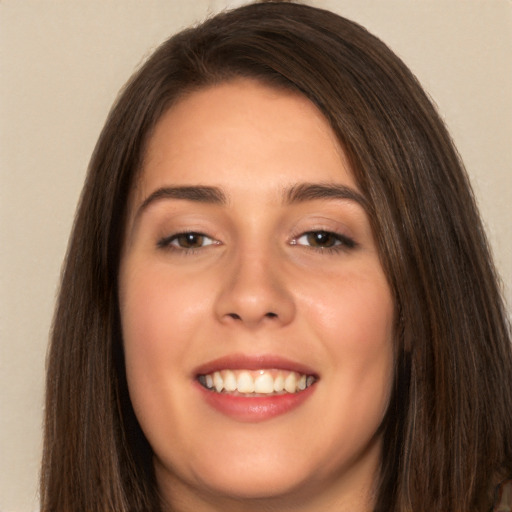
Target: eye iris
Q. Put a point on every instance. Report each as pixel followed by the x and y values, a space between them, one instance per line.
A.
pixel 321 239
pixel 190 240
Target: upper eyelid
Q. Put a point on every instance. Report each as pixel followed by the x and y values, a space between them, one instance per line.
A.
pixel 344 239
pixel 338 237
pixel 166 241
pixel 338 231
pixel 293 237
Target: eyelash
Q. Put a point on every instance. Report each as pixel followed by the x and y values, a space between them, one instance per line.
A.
pixel 167 242
pixel 341 242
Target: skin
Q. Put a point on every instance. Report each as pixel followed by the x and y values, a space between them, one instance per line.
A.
pixel 256 286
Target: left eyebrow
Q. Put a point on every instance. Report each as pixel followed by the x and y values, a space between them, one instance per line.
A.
pixel 311 191
pixel 198 194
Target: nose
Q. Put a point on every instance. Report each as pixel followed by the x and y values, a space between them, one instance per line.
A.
pixel 254 292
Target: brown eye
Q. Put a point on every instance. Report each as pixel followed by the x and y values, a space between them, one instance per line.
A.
pixel 189 240
pixel 321 239
pixel 325 240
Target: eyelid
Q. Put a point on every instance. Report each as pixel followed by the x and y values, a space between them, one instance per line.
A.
pixel 175 237
pixel 342 242
pixel 166 242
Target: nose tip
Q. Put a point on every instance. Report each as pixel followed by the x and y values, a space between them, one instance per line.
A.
pixel 253 296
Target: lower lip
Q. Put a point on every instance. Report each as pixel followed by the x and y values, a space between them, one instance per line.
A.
pixel 254 409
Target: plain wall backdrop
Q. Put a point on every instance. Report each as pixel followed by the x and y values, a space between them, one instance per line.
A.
pixel 61 66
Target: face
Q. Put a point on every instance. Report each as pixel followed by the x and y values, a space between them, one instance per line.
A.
pixel 256 317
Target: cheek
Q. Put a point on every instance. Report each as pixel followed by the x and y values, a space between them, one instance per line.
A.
pixel 160 308
pixel 354 317
pixel 353 310
pixel 160 314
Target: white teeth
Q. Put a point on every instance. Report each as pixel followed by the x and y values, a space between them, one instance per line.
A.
pixel 230 383
pixel 290 383
pixel 245 383
pixel 218 382
pixel 263 382
pixel 279 383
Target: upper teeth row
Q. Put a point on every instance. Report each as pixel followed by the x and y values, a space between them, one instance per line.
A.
pixel 261 381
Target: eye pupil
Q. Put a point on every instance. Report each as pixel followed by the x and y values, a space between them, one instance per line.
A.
pixel 190 240
pixel 321 239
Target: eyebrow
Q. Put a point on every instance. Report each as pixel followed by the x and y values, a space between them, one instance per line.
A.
pixel 299 193
pixel 199 194
pixel 312 191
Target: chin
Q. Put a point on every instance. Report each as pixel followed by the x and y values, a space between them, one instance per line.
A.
pixel 254 484
pixel 244 479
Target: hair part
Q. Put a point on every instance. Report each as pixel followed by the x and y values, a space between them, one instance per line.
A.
pixel 447 431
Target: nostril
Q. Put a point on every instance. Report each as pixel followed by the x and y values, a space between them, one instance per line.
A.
pixel 236 316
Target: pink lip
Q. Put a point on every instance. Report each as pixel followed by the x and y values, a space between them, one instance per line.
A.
pixel 253 362
pixel 253 409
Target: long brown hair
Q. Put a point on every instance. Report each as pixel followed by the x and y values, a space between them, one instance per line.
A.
pixel 448 431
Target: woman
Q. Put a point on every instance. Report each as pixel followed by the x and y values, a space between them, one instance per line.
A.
pixel 278 294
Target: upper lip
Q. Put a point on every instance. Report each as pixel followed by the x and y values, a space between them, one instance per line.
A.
pixel 253 362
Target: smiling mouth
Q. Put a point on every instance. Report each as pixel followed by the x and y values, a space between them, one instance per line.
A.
pixel 264 382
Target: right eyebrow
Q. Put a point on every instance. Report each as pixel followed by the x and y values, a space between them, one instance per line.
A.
pixel 302 192
pixel 199 194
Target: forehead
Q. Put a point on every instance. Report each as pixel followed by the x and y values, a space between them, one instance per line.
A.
pixel 243 135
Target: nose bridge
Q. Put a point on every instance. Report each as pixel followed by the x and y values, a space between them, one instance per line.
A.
pixel 255 290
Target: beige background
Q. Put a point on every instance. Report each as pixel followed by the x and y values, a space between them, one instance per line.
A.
pixel 61 65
